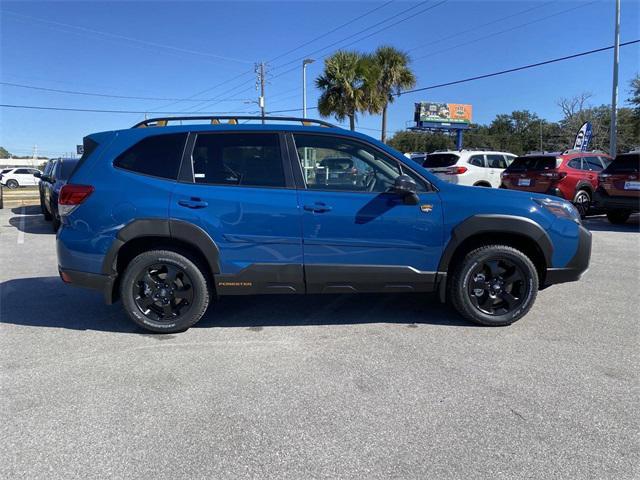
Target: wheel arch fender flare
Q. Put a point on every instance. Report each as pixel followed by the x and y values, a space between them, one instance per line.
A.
pixel 584 185
pixel 168 228
pixel 496 224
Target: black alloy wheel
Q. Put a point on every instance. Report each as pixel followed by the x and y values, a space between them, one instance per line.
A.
pixel 498 286
pixel 163 292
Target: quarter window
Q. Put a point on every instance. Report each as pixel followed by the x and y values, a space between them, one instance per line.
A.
pixel 251 159
pixel 158 156
pixel 338 163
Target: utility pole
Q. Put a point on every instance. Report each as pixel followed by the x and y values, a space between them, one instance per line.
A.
pixel 614 93
pixel 260 71
pixel 305 62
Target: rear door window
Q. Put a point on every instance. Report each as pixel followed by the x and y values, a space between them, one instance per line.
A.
pixel 477 160
pixel 496 161
pixel 593 163
pixel 158 156
pixel 243 159
pixel 575 163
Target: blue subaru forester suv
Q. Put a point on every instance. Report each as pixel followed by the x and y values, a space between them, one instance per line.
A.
pixel 174 212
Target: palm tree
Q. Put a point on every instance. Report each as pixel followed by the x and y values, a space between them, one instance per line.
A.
pixel 345 87
pixel 393 76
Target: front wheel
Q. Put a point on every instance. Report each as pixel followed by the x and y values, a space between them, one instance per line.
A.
pixel 618 217
pixel 495 285
pixel 12 184
pixel 164 291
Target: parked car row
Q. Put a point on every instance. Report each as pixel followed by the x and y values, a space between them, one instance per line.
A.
pixel 56 173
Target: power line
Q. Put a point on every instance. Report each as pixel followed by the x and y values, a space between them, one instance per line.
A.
pixel 363 30
pixel 475 40
pixel 105 95
pixel 129 39
pixel 478 27
pixel 516 69
pixel 405 92
pixel 319 37
pixel 95 110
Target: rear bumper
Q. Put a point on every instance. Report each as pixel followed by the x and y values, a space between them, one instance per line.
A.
pixel 576 266
pixel 94 281
pixel 603 200
pixel 556 192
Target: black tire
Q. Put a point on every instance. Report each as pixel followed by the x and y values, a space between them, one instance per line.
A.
pixel 55 223
pixel 618 217
pixel 45 213
pixel 482 184
pixel 12 184
pixel 497 302
pixel 582 202
pixel 150 299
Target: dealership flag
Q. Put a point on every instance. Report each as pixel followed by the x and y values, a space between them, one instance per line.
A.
pixel 583 137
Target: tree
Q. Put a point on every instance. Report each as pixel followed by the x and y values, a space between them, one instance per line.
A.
pixel 392 72
pixel 346 89
pixel 4 153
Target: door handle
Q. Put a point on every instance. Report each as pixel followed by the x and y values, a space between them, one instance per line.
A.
pixel 193 203
pixel 317 207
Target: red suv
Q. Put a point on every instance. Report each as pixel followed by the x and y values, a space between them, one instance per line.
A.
pixel 619 190
pixel 569 175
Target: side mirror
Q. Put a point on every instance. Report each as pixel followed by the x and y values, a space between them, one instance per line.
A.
pixel 37 174
pixel 406 187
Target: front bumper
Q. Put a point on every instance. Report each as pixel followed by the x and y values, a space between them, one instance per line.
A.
pixel 576 266
pixel 94 281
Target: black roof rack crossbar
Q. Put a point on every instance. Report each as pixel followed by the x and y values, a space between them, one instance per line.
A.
pixel 233 119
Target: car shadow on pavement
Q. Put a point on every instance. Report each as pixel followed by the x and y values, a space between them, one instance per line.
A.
pixel 56 305
pixel 32 224
pixel 601 224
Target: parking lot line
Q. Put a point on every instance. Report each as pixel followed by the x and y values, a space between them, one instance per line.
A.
pixel 22 225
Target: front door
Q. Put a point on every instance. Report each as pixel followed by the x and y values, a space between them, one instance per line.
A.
pixel 357 236
pixel 240 191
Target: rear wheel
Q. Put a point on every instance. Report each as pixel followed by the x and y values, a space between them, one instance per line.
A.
pixel 582 201
pixel 164 291
pixel 495 285
pixel 618 217
pixel 12 184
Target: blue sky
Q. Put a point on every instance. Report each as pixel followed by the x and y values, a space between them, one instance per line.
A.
pixel 177 49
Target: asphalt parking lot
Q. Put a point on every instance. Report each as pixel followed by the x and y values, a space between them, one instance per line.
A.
pixel 360 387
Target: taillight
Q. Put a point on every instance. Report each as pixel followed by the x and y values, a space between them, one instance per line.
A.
pixel 456 170
pixel 556 176
pixel 71 196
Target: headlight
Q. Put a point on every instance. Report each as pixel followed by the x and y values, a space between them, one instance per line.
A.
pixel 559 208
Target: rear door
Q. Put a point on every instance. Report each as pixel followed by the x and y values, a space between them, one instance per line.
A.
pixel 357 235
pixel 239 189
pixel 495 166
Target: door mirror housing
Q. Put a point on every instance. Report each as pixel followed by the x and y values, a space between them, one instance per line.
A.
pixel 37 174
pixel 406 187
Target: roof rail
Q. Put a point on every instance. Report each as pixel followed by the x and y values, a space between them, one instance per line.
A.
pixel 233 120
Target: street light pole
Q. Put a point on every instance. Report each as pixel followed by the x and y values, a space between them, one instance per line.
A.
pixel 305 62
pixel 614 93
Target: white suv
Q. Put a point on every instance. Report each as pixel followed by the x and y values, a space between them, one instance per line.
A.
pixel 469 167
pixel 18 177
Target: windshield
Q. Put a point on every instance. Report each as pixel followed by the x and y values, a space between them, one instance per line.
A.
pixel 521 164
pixel 436 160
pixel 625 163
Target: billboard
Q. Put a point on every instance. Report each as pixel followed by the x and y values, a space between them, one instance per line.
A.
pixel 443 112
